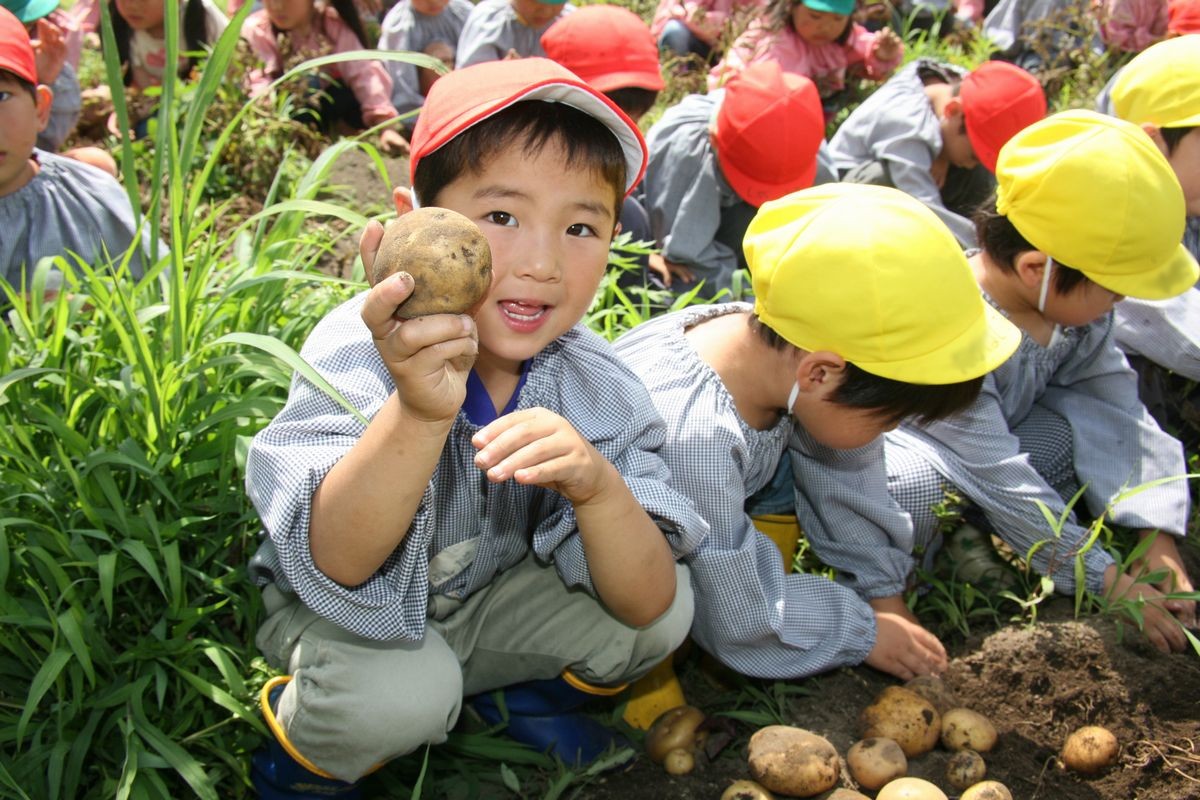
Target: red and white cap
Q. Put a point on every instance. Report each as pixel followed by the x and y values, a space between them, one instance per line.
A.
pixel 16 51
pixel 999 100
pixel 769 127
pixel 464 97
pixel 610 47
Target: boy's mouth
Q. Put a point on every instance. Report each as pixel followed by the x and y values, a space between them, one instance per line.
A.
pixel 523 315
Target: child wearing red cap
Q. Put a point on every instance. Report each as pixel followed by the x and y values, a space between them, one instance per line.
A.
pixel 499 29
pixel 49 205
pixel 432 27
pixel 503 521
pixel 934 130
pixel 1183 17
pixel 815 38
pixel 715 158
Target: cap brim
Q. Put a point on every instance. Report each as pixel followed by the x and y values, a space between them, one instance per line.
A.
pixel 640 79
pixel 1176 276
pixel 35 10
pixel 755 192
pixel 983 347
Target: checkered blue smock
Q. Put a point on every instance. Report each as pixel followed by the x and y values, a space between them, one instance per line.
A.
pixel 576 376
pixel 749 613
pixel 1117 445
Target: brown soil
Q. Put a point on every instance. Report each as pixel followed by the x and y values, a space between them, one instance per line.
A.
pixel 354 181
pixel 1036 683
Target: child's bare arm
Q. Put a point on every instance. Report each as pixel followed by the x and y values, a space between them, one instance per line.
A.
pixel 628 557
pixel 363 507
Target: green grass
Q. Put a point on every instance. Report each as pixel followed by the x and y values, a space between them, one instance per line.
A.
pixel 127 665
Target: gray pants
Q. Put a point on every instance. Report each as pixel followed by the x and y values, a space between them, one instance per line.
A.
pixel 355 702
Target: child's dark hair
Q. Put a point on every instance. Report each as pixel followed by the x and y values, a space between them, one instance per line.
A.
pixel 534 124
pixel 349 14
pixel 888 399
pixel 1001 240
pixel 633 100
pixel 779 16
pixel 1173 136
pixel 195 36
pixel 25 85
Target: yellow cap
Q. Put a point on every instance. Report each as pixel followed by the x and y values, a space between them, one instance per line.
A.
pixel 1161 86
pixel 871 274
pixel 1094 193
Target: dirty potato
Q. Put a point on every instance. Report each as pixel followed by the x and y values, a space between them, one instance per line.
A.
pixel 793 761
pixel 987 790
pixel 964 729
pixel 965 768
pixel 1090 749
pixel 904 717
pixel 446 254
pixel 875 761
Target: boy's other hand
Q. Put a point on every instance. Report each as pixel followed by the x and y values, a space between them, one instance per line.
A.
pixel 902 647
pixel 538 447
pixel 49 51
pixel 887 45
pixel 1163 630
pixel 1163 554
pixel 428 357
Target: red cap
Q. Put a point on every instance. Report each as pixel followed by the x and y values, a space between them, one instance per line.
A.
pixel 769 127
pixel 999 100
pixel 1183 17
pixel 16 51
pixel 610 47
pixel 463 97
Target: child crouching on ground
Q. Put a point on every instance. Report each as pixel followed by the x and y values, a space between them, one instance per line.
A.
pixel 1061 246
pixel 836 355
pixel 49 205
pixel 356 94
pixel 472 537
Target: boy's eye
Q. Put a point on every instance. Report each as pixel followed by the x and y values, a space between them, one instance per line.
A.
pixel 4 95
pixel 580 229
pixel 501 218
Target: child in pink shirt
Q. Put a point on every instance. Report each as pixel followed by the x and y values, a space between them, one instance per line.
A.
pixel 695 26
pixel 357 93
pixel 817 39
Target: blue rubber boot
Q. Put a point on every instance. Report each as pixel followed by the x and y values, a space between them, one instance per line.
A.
pixel 280 772
pixel 542 714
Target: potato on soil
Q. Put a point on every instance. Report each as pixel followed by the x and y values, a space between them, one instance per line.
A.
pixel 904 717
pixel 746 790
pixel 964 729
pixel 847 794
pixel 793 761
pixel 933 689
pixel 875 761
pixel 447 255
pixel 965 768
pixel 679 762
pixel 910 789
pixel 675 729
pixel 1090 750
pixel 987 790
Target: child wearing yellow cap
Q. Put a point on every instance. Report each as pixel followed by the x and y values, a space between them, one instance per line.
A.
pixel 838 347
pixel 1159 91
pixel 1061 245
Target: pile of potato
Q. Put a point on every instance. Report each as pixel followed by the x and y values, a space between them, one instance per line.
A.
pixel 902 723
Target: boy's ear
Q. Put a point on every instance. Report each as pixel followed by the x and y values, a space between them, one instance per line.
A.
pixel 1156 136
pixel 820 373
pixel 1029 266
pixel 403 200
pixel 44 98
pixel 952 108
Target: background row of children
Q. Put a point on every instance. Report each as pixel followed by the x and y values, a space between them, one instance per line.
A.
pixel 400 601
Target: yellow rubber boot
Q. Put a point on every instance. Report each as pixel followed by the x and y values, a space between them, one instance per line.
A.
pixel 783 530
pixel 652 694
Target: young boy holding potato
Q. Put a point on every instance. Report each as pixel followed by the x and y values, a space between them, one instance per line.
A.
pixel 826 359
pixel 503 520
